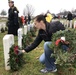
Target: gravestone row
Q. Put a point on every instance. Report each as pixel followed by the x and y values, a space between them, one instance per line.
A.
pixel 2 25
pixel 68 24
pixel 8 41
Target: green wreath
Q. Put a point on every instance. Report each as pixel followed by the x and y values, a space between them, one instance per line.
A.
pixel 64 57
pixel 15 61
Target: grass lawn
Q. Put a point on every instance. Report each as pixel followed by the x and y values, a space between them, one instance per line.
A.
pixel 32 65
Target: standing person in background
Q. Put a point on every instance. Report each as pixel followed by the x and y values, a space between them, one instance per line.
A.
pixel 29 19
pixel 26 20
pixel 23 20
pixel 13 23
pixel 69 18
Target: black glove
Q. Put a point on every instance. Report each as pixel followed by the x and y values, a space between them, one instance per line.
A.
pixel 15 24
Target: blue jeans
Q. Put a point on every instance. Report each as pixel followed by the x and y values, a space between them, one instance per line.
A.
pixel 46 58
pixel 64 48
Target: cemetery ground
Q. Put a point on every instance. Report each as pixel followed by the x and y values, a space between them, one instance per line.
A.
pixel 32 65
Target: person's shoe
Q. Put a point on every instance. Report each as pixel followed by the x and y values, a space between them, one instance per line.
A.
pixel 55 70
pixel 46 71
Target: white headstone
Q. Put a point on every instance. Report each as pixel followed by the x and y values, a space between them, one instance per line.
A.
pixel 53 20
pixel 67 23
pixel 20 33
pixel 62 21
pixel 32 25
pixel 70 23
pixel 3 26
pixel 0 27
pixel 74 24
pixel 28 27
pixel 8 41
pixel 25 30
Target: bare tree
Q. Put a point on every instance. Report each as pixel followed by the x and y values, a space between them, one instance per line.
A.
pixel 73 11
pixel 29 10
pixel 3 12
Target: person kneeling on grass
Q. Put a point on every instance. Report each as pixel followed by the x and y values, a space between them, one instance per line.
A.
pixel 45 33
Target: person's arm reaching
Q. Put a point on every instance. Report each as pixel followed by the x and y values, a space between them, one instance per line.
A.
pixel 36 42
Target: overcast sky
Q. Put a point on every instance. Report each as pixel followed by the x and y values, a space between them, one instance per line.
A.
pixel 41 6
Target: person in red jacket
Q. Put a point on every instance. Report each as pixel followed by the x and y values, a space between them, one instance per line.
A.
pixel 23 20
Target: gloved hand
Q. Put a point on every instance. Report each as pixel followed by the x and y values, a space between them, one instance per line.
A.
pixel 15 24
pixel 20 52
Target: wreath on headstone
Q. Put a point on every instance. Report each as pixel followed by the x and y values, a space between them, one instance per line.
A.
pixel 33 31
pixel 28 38
pixel 15 61
pixel 67 38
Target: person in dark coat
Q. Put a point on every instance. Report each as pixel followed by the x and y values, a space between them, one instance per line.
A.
pixel 13 24
pixel 69 18
pixel 29 19
pixel 45 33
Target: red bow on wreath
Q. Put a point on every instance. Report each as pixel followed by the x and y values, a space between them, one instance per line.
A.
pixel 57 42
pixel 16 50
pixel 61 41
